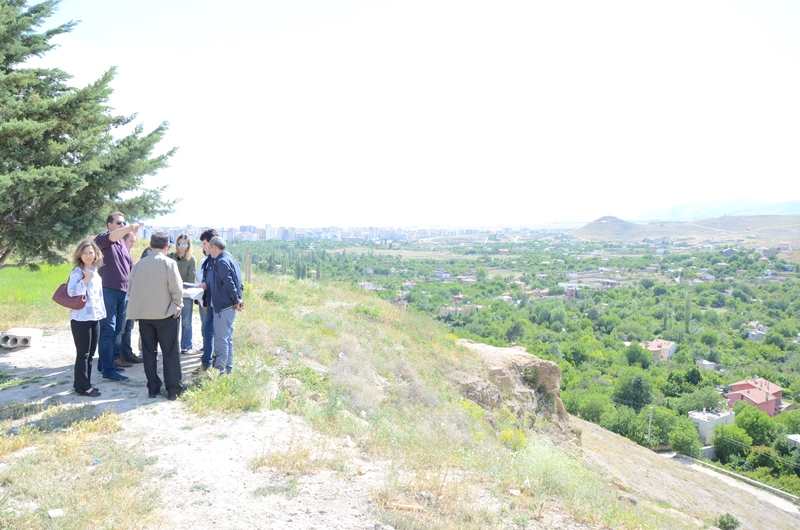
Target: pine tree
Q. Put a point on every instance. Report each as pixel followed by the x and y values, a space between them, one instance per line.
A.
pixel 61 169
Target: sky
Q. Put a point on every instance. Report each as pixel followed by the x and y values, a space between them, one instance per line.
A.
pixel 450 113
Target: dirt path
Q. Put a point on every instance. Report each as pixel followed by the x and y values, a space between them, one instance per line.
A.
pixel 779 502
pixel 207 464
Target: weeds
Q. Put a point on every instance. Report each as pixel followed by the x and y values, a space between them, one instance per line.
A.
pixel 7 381
pixel 287 488
pixel 243 390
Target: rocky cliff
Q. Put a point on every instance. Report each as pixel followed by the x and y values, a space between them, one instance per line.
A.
pixel 525 384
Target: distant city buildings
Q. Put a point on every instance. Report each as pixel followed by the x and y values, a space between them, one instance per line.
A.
pixel 332 233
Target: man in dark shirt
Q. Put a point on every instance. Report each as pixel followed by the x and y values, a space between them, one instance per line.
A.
pixel 115 271
pixel 207 316
pixel 224 281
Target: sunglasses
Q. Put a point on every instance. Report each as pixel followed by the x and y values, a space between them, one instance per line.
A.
pixel 122 223
pixel 183 245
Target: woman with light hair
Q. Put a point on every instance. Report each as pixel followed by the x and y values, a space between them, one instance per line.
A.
pixel 85 322
pixel 187 266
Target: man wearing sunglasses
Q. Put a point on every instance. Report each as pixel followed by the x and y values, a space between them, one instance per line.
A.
pixel 115 272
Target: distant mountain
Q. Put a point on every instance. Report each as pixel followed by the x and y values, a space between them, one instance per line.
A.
pixel 766 228
pixel 610 228
pixel 692 211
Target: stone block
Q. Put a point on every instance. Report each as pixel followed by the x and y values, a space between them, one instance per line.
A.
pixel 19 337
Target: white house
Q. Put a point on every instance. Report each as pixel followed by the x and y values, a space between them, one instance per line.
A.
pixel 705 421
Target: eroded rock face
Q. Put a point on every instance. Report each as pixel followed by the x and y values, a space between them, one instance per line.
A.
pixel 523 383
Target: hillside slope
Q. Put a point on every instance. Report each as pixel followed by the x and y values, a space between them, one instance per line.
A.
pixel 348 417
pixel 680 487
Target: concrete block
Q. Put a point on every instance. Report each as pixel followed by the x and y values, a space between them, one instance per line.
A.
pixel 18 337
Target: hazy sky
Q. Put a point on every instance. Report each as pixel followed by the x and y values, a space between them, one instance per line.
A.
pixel 312 113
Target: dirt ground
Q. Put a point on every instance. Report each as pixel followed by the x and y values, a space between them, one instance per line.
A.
pixel 208 461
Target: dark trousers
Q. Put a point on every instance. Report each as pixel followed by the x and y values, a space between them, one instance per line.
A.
pixel 85 335
pixel 163 332
pixel 122 342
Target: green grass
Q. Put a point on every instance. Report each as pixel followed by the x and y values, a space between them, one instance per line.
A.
pixel 240 391
pixel 7 381
pixel 26 297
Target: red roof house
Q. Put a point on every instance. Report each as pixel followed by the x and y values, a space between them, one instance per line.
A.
pixel 759 392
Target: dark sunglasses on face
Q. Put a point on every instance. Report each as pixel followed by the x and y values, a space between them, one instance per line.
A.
pixel 122 223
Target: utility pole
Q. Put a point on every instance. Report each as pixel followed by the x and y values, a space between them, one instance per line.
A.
pixel 248 262
pixel 649 430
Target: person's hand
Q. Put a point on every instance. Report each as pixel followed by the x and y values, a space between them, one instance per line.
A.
pixel 202 286
pixel 239 306
pixel 135 227
pixel 87 276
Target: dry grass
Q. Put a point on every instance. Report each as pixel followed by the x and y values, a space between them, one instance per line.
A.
pixel 75 467
pixel 390 367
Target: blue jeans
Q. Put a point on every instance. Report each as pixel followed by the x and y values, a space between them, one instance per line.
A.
pixel 207 316
pixel 223 338
pixel 122 342
pixel 186 324
pixel 109 327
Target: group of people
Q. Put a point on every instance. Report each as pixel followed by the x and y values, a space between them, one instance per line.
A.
pixel 120 292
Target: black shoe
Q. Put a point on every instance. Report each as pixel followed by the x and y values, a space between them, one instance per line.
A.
pixel 134 360
pixel 114 376
pixel 152 396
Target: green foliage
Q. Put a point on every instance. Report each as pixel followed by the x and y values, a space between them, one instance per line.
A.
pixel 638 356
pixel 367 311
pixel 61 168
pixel 703 398
pixel 756 423
pixel 683 439
pixel 731 442
pixel 709 338
pixel 633 387
pixel 272 296
pixel 727 522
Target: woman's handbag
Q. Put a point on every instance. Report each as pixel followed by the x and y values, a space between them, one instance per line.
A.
pixel 61 297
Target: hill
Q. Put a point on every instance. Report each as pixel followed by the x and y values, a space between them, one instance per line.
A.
pixel 343 411
pixel 766 230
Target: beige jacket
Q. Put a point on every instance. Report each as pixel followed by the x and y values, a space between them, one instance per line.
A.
pixel 155 289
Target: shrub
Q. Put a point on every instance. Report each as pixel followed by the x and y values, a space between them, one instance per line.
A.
pixel 727 522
